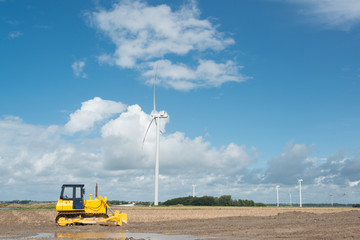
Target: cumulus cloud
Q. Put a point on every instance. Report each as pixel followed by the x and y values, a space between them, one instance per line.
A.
pixel 23 148
pixel 351 169
pixel 78 68
pixel 143 33
pixel 91 112
pixel 290 165
pixel 123 140
pixel 340 14
pixel 36 160
pixel 177 151
pixel 115 157
pixel 207 74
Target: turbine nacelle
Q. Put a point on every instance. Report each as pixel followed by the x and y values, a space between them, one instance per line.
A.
pixel 161 114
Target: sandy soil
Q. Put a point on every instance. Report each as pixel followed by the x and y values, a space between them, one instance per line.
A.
pixel 204 222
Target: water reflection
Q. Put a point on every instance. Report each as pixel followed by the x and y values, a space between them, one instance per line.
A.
pixel 89 235
pixel 123 236
pixel 106 235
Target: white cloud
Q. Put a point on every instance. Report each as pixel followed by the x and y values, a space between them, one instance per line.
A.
pixel 48 158
pixel 15 34
pixel 36 160
pixel 91 112
pixel 207 74
pixel 78 68
pixel 41 158
pixel 143 33
pixel 354 184
pixel 290 165
pixel 106 59
pixel 341 14
pixel 123 140
pixel 22 149
pixel 177 150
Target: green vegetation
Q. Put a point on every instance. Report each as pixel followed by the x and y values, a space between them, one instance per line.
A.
pixel 18 202
pixel 3 205
pixel 26 205
pixel 225 200
pixel 356 205
pixel 37 206
pixel 144 203
pixel 117 202
pixel 50 206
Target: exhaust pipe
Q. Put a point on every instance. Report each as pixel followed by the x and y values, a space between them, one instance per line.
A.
pixel 96 191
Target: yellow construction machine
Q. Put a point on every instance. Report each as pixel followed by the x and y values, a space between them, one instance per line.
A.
pixel 74 210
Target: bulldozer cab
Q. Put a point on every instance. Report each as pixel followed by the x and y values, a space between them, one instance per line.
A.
pixel 75 193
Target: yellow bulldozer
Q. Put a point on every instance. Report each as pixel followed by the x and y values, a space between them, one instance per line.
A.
pixel 74 210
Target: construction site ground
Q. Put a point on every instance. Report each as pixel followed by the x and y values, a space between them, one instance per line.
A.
pixel 200 222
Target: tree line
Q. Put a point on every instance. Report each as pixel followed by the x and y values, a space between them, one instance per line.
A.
pixel 225 200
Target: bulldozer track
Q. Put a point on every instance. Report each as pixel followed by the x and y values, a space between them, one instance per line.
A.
pixel 80 214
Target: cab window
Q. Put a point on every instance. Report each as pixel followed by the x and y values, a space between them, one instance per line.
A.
pixel 78 193
pixel 68 193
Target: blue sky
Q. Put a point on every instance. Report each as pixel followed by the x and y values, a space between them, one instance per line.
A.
pixel 259 93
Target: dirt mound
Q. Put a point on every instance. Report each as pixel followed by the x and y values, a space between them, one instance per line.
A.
pixel 26 217
pixel 296 214
pixel 223 223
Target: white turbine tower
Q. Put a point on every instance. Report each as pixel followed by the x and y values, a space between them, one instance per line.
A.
pixel 156 117
pixel 332 199
pixel 277 195
pixel 299 181
pixel 193 188
pixel 290 198
pixel 346 199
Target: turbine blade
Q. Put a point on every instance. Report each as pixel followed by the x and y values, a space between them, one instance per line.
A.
pixel 147 132
pixel 156 125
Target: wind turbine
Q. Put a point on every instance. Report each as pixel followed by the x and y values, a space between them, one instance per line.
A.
pixel 346 199
pixel 277 195
pixel 331 199
pixel 156 117
pixel 299 181
pixel 193 188
pixel 290 199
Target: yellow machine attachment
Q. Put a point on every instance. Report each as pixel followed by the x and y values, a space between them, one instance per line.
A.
pixel 73 209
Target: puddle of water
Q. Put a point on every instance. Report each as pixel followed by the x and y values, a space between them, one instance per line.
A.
pixel 106 235
pixel 87 235
pixel 43 235
pixel 155 236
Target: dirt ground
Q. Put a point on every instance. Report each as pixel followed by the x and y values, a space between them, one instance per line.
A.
pixel 202 222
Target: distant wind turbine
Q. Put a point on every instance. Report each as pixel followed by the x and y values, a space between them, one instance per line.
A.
pixel 277 195
pixel 193 188
pixel 346 199
pixel 156 117
pixel 290 199
pixel 331 199
pixel 299 181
